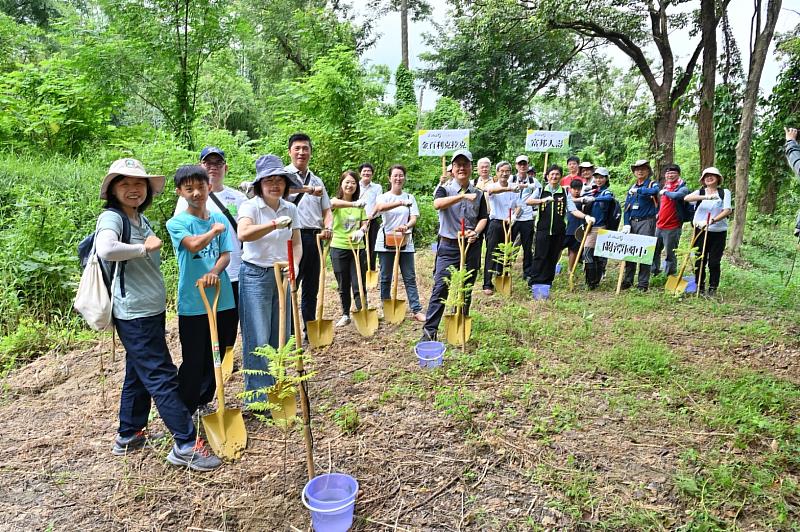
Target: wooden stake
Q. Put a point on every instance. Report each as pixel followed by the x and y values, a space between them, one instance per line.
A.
pixel 444 165
pixel 621 275
pixel 544 170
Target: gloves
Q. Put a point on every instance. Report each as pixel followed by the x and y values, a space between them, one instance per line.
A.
pixel 407 203
pixel 357 236
pixel 283 221
pixel 513 219
pixel 587 200
pixel 701 224
pixel 589 219
pixel 712 197
pixel 548 199
pixel 633 190
pixel 626 229
pixel 359 203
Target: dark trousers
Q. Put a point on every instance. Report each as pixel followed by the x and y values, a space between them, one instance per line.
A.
pixel 308 275
pixel 525 232
pixel 548 251
pixel 711 260
pixel 448 255
pixel 344 268
pixel 149 372
pixel 594 267
pixel 372 234
pixel 491 266
pixel 639 227
pixel 196 382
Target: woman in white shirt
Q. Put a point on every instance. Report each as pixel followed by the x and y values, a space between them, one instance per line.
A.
pixel 713 209
pixel 265 226
pixel 399 211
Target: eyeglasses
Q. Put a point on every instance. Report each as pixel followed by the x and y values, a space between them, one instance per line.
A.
pixel 213 164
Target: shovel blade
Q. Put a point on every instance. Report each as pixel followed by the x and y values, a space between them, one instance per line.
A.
pixel 394 310
pixel 320 333
pixel 372 278
pixel 227 364
pixel 453 327
pixel 675 285
pixel 226 433
pixel 366 322
pixel 503 284
pixel 287 412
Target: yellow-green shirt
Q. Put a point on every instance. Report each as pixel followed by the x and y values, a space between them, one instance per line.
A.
pixel 345 221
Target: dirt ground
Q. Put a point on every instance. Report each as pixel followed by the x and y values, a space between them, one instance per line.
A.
pixel 418 469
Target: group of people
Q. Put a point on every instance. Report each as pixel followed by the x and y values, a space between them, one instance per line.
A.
pixel 230 240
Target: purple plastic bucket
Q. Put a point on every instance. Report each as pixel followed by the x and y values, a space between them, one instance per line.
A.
pixel 331 499
pixel 430 354
pixel 691 286
pixel 540 291
pixel 558 268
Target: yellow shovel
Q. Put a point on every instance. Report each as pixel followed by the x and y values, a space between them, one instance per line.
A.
pixel 320 331
pixel 288 405
pixel 394 310
pixel 366 319
pixel 458 327
pixel 675 283
pixel 225 429
pixel 586 232
pixel 372 275
pixel 503 282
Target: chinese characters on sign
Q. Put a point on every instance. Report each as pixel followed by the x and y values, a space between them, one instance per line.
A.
pixel 621 246
pixel 547 141
pixel 435 142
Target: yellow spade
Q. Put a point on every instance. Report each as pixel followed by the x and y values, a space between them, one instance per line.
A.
pixel 586 231
pixel 225 429
pixel 675 283
pixel 288 405
pixel 320 331
pixel 458 327
pixel 372 275
pixel 503 281
pixel 394 310
pixel 366 319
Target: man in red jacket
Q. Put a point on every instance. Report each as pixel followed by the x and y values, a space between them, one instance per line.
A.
pixel 668 219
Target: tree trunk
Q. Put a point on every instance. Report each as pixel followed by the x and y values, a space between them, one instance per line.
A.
pixel 404 30
pixel 769 198
pixel 666 124
pixel 705 118
pixel 757 57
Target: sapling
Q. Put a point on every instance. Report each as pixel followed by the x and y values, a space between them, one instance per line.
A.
pixel 506 255
pixel 458 286
pixel 286 382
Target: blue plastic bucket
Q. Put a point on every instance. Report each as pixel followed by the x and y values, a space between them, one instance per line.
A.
pixel 558 268
pixel 691 286
pixel 430 354
pixel 540 291
pixel 331 499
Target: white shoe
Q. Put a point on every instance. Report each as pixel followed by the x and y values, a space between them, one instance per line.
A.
pixel 344 320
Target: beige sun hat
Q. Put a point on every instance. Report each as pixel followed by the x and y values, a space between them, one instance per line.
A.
pixel 714 171
pixel 130 168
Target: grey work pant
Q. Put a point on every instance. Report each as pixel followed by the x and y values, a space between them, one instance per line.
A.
pixel 640 227
pixel 667 240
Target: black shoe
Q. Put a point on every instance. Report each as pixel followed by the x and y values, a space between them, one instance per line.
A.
pixel 427 337
pixel 626 285
pixel 641 289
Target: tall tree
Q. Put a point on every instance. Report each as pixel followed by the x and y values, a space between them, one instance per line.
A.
pixel 705 116
pixel 494 58
pixel 631 25
pixel 728 103
pixel 166 43
pixel 760 39
pixel 420 10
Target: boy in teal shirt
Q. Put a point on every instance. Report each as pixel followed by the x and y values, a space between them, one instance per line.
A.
pixel 203 251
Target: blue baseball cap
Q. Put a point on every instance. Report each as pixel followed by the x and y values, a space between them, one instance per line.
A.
pixel 209 150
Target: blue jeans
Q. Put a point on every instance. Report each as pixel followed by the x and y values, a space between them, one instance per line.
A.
pixel 149 372
pixel 258 315
pixel 409 277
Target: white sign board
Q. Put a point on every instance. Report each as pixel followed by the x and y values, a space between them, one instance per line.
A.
pixel 436 142
pixel 621 246
pixel 537 140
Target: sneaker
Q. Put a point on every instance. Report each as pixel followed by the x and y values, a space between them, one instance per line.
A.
pixel 419 316
pixel 488 291
pixel 198 458
pixel 123 446
pixel 344 320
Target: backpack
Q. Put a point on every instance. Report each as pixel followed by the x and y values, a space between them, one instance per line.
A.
pixel 86 251
pixel 685 209
pixel 614 216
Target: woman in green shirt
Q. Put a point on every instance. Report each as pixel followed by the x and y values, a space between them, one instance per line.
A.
pixel 349 224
